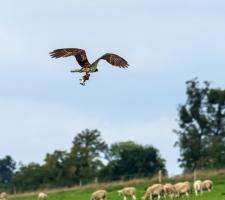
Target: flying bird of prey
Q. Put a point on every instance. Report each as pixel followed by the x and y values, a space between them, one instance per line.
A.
pixel 82 60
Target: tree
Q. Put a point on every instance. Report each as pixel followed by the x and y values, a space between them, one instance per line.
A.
pixel 201 127
pixel 130 160
pixel 117 149
pixel 7 167
pixel 55 168
pixel 85 158
pixel 216 110
pixel 29 177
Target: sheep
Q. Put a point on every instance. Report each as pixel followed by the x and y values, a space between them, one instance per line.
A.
pixel 99 195
pixel 177 187
pixel 3 196
pixel 198 187
pixel 42 195
pixel 183 189
pixel 169 190
pixel 207 185
pixel 128 192
pixel 189 186
pixel 155 190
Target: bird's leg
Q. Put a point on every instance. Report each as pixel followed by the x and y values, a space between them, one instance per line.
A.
pixel 84 79
pixel 86 76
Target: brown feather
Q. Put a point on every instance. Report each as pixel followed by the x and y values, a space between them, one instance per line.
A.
pixel 115 60
pixel 79 54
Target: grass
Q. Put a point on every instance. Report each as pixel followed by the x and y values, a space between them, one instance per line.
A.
pixel 83 193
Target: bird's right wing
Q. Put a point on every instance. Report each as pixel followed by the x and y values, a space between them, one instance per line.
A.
pixel 114 60
pixel 79 54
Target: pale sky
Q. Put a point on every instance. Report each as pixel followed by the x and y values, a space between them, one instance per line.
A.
pixel 165 42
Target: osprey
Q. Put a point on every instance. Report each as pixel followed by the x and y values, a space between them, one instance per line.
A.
pixel 82 60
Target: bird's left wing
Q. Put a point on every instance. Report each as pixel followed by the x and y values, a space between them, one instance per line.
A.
pixel 79 54
pixel 114 60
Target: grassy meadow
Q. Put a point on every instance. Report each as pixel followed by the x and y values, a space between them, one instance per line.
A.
pixel 84 192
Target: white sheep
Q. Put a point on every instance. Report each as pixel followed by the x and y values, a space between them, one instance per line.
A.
pixel 207 185
pixel 169 190
pixel 42 195
pixel 198 187
pixel 99 195
pixel 155 190
pixel 183 189
pixel 128 192
pixel 3 196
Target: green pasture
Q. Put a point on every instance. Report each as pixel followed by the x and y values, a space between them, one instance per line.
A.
pixel 218 193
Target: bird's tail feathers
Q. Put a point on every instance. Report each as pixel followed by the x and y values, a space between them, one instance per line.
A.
pixel 76 70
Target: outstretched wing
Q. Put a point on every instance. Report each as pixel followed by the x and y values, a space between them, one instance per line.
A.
pixel 115 60
pixel 79 54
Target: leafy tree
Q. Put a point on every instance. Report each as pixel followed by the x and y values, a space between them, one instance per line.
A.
pixel 50 174
pixel 85 158
pixel 55 168
pixel 7 167
pixel 131 160
pixel 117 149
pixel 216 110
pixel 28 177
pixel 201 127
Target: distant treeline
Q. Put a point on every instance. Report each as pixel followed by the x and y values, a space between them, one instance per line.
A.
pixel 84 163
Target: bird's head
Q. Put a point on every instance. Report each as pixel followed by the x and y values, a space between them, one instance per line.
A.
pixel 96 70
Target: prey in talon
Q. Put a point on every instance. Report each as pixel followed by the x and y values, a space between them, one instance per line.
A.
pixel 84 79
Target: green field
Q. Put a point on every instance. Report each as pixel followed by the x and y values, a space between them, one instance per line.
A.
pixel 218 193
pixel 84 193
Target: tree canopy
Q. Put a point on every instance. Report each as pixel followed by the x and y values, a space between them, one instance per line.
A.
pixel 7 167
pixel 201 132
pixel 129 160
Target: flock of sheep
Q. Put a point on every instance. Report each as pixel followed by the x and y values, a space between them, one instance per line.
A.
pixel 159 190
pixel 154 191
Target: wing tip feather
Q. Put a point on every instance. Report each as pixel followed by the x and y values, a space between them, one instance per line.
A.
pixel 53 54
